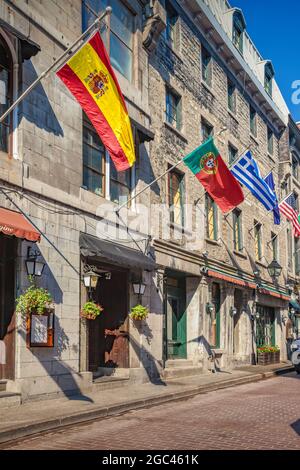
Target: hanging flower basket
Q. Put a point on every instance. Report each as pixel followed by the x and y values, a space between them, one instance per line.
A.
pixel 91 310
pixel 35 300
pixel 139 313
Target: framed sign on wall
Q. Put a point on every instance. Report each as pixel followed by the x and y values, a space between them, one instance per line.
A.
pixel 40 330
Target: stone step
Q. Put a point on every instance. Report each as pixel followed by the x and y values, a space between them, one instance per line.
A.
pixel 109 383
pixel 178 372
pixel 172 363
pixel 112 372
pixel 8 399
pixel 3 385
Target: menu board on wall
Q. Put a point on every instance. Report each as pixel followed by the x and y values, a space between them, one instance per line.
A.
pixel 40 330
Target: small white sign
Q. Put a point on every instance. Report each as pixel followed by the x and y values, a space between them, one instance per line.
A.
pixel 39 329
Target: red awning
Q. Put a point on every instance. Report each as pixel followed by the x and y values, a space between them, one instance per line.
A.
pixel 232 280
pixel 14 223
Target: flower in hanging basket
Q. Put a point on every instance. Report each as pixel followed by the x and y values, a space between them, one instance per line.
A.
pixel 91 310
pixel 34 300
pixel 139 312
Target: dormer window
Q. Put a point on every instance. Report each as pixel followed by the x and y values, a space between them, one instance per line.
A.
pixel 238 28
pixel 269 75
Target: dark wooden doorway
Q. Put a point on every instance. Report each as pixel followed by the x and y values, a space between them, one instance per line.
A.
pixel 8 250
pixel 108 335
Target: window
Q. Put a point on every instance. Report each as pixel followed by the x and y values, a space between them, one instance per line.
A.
pixel 253 122
pixel 5 94
pixel 171 31
pixel 238 28
pixel 173 109
pixel 211 218
pixel 231 96
pixel 176 197
pixel 270 142
pixel 274 242
pixel 257 241
pixel 121 37
pixel 237 230
pixel 206 130
pixel 232 154
pixel 93 160
pixel 269 75
pixel 99 173
pixel 295 166
pixel 296 202
pixel 206 67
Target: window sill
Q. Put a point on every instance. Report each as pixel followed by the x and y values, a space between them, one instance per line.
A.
pixel 260 263
pixel 171 48
pixel 207 87
pixel 254 138
pixel 176 131
pixel 217 351
pixel 240 254
pixel 212 242
pixel 233 115
pixel 271 157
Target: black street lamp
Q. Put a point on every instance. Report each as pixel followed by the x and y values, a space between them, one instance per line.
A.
pixel 274 269
pixel 34 267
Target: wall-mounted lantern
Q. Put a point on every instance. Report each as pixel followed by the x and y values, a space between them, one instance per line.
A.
pixel 233 311
pixel 139 288
pixel 274 269
pixel 34 265
pixel 209 308
pixel 90 279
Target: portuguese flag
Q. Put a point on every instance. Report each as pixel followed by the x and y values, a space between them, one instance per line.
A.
pixel 90 78
pixel 207 165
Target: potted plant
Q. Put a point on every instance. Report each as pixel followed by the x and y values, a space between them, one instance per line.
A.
pixel 263 355
pixel 34 300
pixel 139 312
pixel 91 310
pixel 274 354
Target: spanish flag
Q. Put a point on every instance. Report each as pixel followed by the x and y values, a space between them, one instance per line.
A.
pixel 91 79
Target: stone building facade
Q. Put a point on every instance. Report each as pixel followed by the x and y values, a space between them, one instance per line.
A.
pixel 184 73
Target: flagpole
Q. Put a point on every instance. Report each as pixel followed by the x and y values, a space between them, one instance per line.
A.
pixel 268 212
pixel 117 209
pixel 55 63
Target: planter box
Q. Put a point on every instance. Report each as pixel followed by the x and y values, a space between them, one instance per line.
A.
pixel 275 357
pixel 264 359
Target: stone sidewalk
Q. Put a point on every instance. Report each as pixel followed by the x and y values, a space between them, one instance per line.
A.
pixel 39 416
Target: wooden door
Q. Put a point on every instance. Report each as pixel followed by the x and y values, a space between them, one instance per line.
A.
pixel 8 247
pixel 109 337
pixel 265 326
pixel 176 323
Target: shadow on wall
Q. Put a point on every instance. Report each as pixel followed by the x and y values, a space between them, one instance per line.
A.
pixel 36 107
pixel 56 368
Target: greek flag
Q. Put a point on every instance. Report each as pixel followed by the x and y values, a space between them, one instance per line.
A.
pixel 246 171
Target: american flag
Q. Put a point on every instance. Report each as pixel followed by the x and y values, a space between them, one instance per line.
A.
pixel 287 208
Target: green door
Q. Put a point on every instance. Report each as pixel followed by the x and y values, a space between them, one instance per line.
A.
pixel 265 326
pixel 176 323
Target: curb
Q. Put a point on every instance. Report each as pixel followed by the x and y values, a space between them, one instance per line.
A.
pixel 104 412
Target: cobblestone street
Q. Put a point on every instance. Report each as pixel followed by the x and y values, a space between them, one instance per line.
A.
pixel 263 415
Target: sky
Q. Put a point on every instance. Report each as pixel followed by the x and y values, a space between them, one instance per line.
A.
pixel 274 27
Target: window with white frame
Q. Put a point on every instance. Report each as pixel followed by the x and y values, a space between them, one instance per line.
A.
pixel 99 173
pixel 121 34
pixel 5 95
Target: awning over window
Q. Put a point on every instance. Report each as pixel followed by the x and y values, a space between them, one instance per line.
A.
pixel 114 253
pixel 294 304
pixel 14 223
pixel 28 47
pixel 231 279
